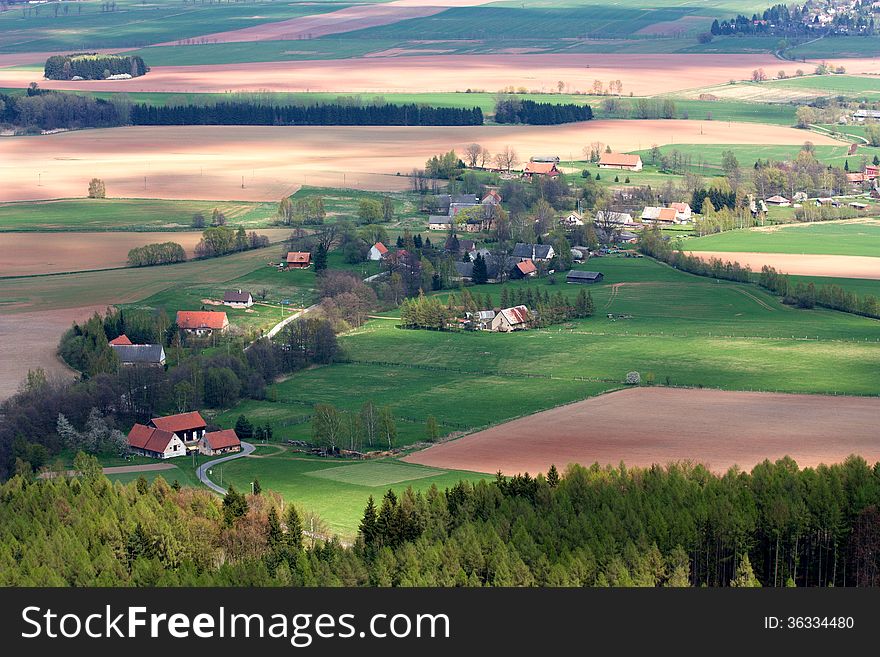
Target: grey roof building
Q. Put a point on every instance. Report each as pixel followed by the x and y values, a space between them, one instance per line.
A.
pixel 575 276
pixel 140 354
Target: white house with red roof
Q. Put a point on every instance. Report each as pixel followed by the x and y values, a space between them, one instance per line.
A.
pixel 620 161
pixel 121 340
pixel 511 319
pixel 155 443
pixel 219 442
pixel 201 322
pixel 378 251
pixel 189 427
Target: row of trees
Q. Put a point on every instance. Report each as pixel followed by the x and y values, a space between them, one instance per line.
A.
pixel 678 526
pixel 162 253
pixel 222 240
pixel 92 66
pixel 255 113
pixel 514 110
pixel 53 110
pixel 371 427
pixel 809 295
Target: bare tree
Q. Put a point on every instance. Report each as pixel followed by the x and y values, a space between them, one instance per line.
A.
pixel 507 159
pixel 472 153
pixel 485 156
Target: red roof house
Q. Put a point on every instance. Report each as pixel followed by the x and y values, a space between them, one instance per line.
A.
pixel 187 426
pixel 219 442
pixel 511 319
pixel 299 260
pixel 201 321
pixel 525 268
pixel 540 169
pixel 157 443
pixel 620 161
pixel 121 339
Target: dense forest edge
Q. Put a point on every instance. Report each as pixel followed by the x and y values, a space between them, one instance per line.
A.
pixel 676 526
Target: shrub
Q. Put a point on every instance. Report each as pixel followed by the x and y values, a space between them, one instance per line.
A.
pixel 633 378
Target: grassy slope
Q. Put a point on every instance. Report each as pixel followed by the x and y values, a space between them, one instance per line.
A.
pixel 136 24
pixel 712 154
pixel 818 238
pixel 124 214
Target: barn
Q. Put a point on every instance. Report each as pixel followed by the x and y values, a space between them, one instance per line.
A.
pixel 584 277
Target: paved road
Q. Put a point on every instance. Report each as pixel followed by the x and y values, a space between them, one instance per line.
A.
pixel 202 470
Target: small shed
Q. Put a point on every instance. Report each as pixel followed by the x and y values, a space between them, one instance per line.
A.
pixel 584 277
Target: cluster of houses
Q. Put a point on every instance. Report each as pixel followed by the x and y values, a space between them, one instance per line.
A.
pixel 467 212
pixel 179 435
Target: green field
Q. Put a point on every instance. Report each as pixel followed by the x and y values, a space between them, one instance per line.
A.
pixel 125 214
pixel 135 23
pixel 849 85
pixel 855 46
pixel 830 238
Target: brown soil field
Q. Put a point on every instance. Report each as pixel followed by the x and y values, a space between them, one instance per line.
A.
pixel 25 254
pixel 803 265
pixel 28 341
pixel 200 162
pixel 644 426
pixel 640 74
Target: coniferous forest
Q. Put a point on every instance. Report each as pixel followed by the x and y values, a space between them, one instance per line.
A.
pixel 514 110
pixel 91 66
pixel 677 526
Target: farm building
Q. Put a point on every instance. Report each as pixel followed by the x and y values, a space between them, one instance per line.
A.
pixel 492 197
pixel 620 161
pixel 155 443
pixel 482 319
pixel 238 299
pixel 858 206
pixel 540 169
pixel 533 252
pixel 682 211
pixel 189 427
pixel 619 218
pixel 120 340
pixel 584 277
pixel 871 172
pixel 511 319
pixel 657 215
pixel 781 201
pixel 862 114
pixel 455 208
pixel 627 236
pixel 439 222
pixel 201 322
pixel 524 269
pixel 377 251
pixel 140 354
pixel 219 442
pixel 856 179
pixel 299 260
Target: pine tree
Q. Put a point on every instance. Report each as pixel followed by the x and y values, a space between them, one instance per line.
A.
pixel 505 298
pixel 553 476
pixel 256 486
pixel 243 428
pixel 745 576
pixel 367 527
pixel 480 274
pixel 293 539
pixel 320 259
pixel 273 530
pixel 846 165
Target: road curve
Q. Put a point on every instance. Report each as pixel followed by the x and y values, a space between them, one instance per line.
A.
pixel 202 470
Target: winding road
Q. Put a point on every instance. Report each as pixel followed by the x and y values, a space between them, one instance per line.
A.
pixel 202 470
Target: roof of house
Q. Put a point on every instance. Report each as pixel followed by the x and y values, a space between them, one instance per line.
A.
pixel 616 217
pixel 667 214
pixel 619 160
pixel 526 267
pixel 485 315
pixel 121 339
pixel 381 248
pixel 237 296
pixel 139 353
pixel 179 422
pixel 467 245
pixel 149 438
pixel 464 199
pixel 531 251
pixel 541 168
pixel 855 177
pixel 777 199
pixel 196 319
pixel 584 275
pixel 439 219
pixel 222 439
pixel 680 207
pixel 492 196
pixel 516 315
pixel 464 269
pixel 299 257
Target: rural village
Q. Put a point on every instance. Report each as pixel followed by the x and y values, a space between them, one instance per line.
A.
pixel 380 295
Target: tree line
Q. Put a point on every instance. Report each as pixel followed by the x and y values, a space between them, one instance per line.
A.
pixel 514 110
pixel 257 113
pixel 161 253
pixel 52 110
pixel 92 66
pixel 677 526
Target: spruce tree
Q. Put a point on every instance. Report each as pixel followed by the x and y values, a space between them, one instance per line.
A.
pixel 553 476
pixel 480 274
pixel 273 530
pixel 367 527
pixel 320 259
pixel 293 539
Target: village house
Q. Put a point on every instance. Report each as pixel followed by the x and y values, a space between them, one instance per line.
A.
pixel 627 237
pixel 617 218
pixel 540 169
pixel 492 197
pixel 201 322
pixel 219 442
pixel 120 340
pixel 298 260
pixel 533 252
pixel 683 212
pixel 140 354
pixel 238 299
pixel 584 277
pixel 511 319
pixel 573 219
pixel 377 251
pixel 524 269
pixel 154 443
pixel 778 200
pixel 872 172
pixel 481 320
pixel 620 161
pixel 856 179
pixel 189 427
pixel 858 205
pixel 862 114
pixel 439 222
pixel 656 215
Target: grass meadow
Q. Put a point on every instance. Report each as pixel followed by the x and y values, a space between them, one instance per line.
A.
pixel 847 238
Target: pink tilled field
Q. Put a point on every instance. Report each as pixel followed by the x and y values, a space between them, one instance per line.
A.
pixel 644 426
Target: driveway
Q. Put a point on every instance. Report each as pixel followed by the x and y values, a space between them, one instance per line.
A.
pixel 202 470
